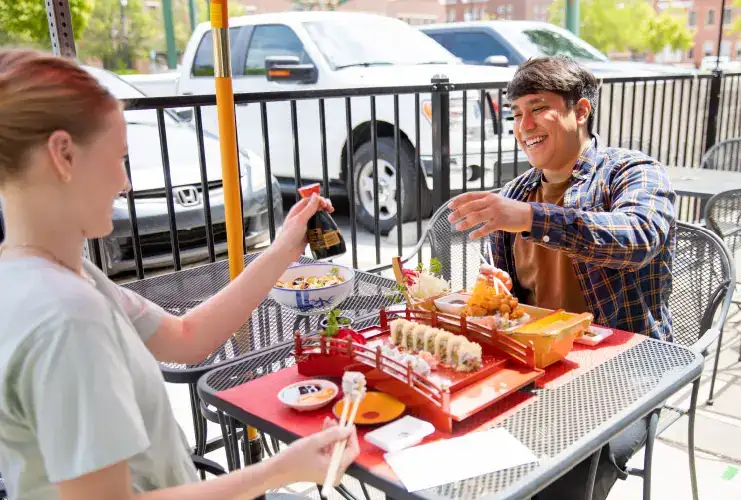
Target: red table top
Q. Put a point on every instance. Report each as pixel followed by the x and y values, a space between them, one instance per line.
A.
pixel 259 398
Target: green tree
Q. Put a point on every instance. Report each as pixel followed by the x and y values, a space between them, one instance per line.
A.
pixel 119 33
pixel 24 22
pixel 631 25
pixel 317 4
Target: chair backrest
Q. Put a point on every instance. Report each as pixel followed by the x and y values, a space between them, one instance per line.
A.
pixel 725 155
pixel 702 278
pixel 723 217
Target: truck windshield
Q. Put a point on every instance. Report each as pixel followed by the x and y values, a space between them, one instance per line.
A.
pixel 547 41
pixel 370 41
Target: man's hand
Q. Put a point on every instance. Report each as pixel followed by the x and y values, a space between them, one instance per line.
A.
pixel 494 211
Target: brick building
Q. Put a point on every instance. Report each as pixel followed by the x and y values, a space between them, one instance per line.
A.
pixel 475 10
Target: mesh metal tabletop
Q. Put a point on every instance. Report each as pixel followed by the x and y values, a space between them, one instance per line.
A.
pixel 562 426
pixel 270 324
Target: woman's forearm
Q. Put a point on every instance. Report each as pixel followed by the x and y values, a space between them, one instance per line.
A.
pixel 244 484
pixel 210 324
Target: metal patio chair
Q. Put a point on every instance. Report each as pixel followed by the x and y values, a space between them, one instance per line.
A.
pixel 723 216
pixel 725 155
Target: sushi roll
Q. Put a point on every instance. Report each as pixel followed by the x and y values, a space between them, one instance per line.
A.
pixel 469 357
pixel 417 342
pixel 396 327
pixel 429 339
pixel 454 346
pixel 441 345
pixel 406 335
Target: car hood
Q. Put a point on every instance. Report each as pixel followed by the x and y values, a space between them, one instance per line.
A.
pixel 635 68
pixel 145 156
pixel 421 74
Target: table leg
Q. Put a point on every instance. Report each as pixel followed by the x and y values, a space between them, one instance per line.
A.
pixel 589 491
pixel 228 447
pixel 691 437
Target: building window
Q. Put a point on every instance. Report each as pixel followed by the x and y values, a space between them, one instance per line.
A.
pixel 711 17
pixel 467 15
pixel 725 48
pixel 691 54
pixel 727 16
pixel 691 20
pixel 451 15
pixel 707 48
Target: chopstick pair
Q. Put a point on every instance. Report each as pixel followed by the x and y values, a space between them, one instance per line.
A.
pixel 353 386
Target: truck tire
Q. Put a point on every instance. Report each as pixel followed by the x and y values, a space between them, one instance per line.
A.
pixel 387 171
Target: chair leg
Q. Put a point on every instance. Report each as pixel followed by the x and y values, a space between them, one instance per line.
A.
pixel 648 456
pixel 589 491
pixel 715 368
pixel 365 491
pixel 691 437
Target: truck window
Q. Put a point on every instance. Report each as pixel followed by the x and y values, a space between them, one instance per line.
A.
pixel 474 48
pixel 203 62
pixel 272 40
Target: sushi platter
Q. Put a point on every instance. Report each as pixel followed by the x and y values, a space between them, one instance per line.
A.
pixel 442 367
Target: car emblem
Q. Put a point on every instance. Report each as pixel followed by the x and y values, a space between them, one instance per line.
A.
pixel 186 196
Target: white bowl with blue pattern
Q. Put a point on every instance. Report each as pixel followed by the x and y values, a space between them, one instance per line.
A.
pixel 313 301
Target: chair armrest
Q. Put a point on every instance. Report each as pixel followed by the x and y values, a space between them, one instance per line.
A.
pixel 207 465
pixel 703 343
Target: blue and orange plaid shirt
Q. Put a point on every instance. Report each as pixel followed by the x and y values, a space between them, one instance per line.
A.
pixel 618 225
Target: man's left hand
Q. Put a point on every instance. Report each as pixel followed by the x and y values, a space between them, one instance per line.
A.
pixel 496 212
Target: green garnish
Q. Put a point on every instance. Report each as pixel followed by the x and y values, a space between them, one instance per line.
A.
pixel 435 266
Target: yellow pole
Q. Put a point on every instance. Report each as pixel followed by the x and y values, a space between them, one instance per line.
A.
pixel 228 143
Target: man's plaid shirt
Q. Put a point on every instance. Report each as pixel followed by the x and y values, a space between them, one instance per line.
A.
pixel 618 225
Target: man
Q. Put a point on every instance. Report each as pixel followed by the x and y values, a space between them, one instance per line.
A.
pixel 588 229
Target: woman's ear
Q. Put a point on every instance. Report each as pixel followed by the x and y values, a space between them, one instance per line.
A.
pixel 582 109
pixel 61 150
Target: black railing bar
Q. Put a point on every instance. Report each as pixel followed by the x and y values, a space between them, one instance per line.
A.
pixel 719 120
pixel 643 116
pixel 268 169
pixel 296 149
pixel 204 184
pixel 499 141
pixel 629 79
pixel 671 125
pixel 482 137
pixel 323 138
pixel 705 120
pixel 634 99
pixel 454 87
pixel 734 128
pixel 679 123
pixel 661 117
pixel 695 127
pixel 609 123
pixel 136 242
pixel 376 201
pixel 418 166
pixel 245 227
pixel 397 163
pixel 350 178
pixel 464 139
pixel 598 109
pixel 516 162
pixel 168 190
pixel 733 114
pixel 622 113
pixel 653 120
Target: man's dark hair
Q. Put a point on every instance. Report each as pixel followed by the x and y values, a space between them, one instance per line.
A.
pixel 559 74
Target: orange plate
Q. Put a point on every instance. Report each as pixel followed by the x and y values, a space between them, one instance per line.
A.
pixel 375 408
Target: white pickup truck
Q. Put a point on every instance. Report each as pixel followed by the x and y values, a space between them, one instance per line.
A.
pixel 331 50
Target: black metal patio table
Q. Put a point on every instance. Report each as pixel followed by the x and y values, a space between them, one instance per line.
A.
pixel 563 425
pixel 270 324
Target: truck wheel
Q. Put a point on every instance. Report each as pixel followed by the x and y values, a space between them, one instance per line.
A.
pixel 387 172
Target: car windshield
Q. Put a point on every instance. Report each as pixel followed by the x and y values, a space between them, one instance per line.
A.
pixel 371 41
pixel 123 90
pixel 546 41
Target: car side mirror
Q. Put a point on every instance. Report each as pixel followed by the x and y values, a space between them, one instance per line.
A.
pixel 289 69
pixel 497 61
pixel 185 114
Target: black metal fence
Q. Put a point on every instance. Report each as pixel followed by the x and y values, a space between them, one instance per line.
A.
pixel 393 152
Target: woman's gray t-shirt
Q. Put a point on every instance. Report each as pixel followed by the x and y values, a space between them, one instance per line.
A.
pixel 79 390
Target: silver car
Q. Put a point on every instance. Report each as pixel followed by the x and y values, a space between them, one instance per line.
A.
pixel 148 181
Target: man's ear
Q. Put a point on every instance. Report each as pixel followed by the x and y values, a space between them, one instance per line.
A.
pixel 582 109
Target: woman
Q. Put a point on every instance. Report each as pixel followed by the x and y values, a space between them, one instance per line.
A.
pixel 83 408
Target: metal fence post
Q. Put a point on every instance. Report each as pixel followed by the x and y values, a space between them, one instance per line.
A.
pixel 440 140
pixel 713 108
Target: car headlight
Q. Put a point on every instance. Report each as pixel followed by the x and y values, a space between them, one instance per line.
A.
pixel 252 169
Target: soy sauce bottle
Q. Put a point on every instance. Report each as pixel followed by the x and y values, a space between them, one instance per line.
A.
pixel 325 239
